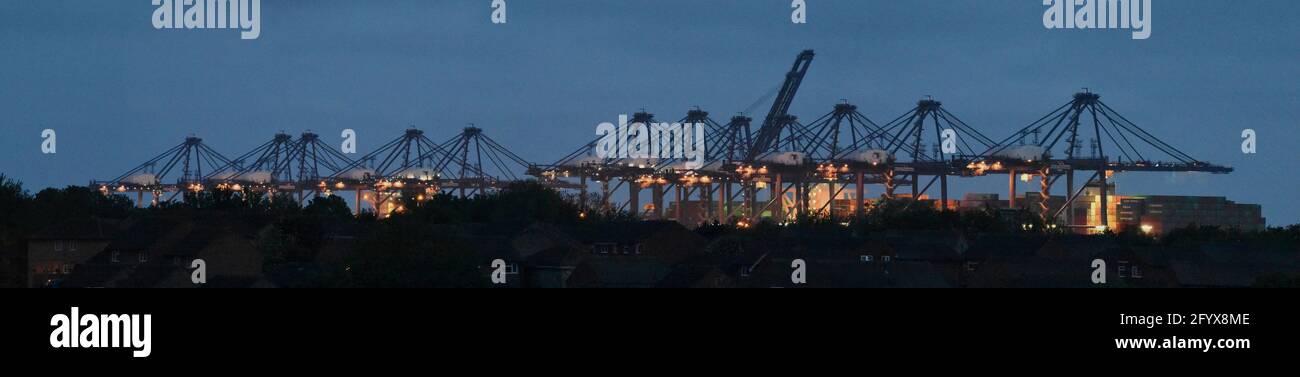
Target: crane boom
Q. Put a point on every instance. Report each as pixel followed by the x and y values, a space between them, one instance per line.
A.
pixel 770 133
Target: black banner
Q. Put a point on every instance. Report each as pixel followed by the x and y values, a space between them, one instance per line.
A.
pixel 311 326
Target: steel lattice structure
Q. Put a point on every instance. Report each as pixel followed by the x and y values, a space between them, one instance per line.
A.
pixel 773 171
pixel 176 170
pixel 282 164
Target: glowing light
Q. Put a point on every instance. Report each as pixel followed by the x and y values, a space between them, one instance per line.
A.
pixel 339 185
pixel 1147 228
pixel 1026 177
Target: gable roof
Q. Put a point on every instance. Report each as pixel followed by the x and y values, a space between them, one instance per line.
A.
pixel 79 229
pixel 623 232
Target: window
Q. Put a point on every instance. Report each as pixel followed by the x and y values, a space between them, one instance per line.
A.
pixel 744 272
pixel 67 269
pixel 512 269
pixel 865 258
pixel 72 245
pixel 58 245
pixel 143 257
pixel 887 259
pixel 638 249
pixel 1137 273
pixel 1123 271
pixel 116 256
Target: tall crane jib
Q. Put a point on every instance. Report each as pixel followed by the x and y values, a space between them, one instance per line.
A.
pixel 770 132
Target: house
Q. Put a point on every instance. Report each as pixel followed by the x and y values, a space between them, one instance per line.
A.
pixel 1059 261
pixel 778 272
pixel 831 261
pixel 53 253
pixel 157 252
pixel 622 255
pixel 697 275
pixel 1235 265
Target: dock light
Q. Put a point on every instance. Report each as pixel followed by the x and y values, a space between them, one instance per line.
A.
pixel 339 185
pixel 1147 228
pixel 237 187
pixel 121 188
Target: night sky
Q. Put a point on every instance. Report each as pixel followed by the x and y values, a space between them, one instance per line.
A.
pixel 118 91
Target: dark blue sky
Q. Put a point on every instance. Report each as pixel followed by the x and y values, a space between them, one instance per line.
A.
pixel 119 91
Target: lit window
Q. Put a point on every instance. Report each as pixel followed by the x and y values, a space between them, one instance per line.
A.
pixel 865 258
pixel 512 269
pixel 1123 271
pixel 67 269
